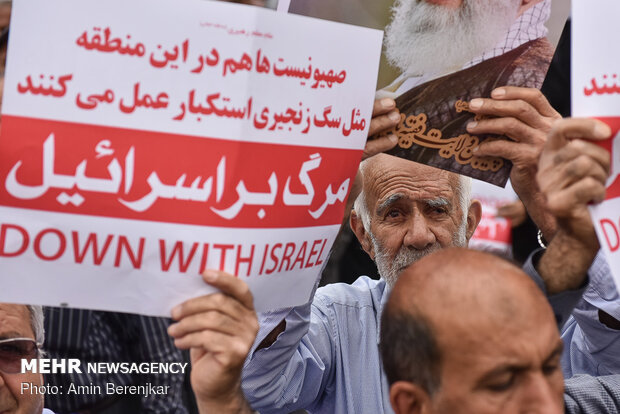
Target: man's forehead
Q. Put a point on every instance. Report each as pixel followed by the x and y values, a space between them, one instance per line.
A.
pixel 481 351
pixel 14 321
pixel 494 324
pixel 414 180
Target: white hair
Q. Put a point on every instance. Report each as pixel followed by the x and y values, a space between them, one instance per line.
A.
pixel 463 189
pixel 36 323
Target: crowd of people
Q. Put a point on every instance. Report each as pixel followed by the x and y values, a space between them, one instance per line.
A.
pixel 445 329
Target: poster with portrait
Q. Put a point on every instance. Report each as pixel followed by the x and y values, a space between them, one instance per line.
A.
pixel 449 58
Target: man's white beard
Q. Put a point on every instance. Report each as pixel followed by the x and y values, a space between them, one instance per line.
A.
pixel 431 39
pixel 390 268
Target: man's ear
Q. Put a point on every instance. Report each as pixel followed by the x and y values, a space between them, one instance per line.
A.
pixel 473 217
pixel 408 398
pixel 357 225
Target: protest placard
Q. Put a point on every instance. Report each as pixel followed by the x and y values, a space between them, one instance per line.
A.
pixel 595 92
pixel 140 147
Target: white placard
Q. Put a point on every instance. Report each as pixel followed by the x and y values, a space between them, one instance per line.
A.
pixel 139 148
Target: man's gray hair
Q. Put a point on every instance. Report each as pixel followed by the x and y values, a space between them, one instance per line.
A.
pixel 36 322
pixel 464 193
pixel 463 189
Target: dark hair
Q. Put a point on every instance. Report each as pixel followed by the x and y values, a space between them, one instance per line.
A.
pixel 409 349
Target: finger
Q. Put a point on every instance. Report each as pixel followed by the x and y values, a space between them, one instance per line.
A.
pixel 532 96
pixel 511 210
pixel 230 285
pixel 212 321
pixel 232 350
pixel 580 168
pixel 378 145
pixel 383 123
pixel 214 302
pixel 208 340
pixel 577 128
pixel 506 211
pixel 383 106
pixel 578 148
pixel 588 190
pixel 509 126
pixel 513 151
pixel 517 109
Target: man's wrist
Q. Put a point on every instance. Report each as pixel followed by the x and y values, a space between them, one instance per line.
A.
pixel 565 263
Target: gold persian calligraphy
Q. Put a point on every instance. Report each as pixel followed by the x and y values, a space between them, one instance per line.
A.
pixel 414 129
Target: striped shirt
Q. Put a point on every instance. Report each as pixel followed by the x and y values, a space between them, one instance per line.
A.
pixel 94 336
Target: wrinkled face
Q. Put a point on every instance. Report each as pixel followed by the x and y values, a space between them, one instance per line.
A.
pixel 15 323
pixel 413 213
pixel 511 369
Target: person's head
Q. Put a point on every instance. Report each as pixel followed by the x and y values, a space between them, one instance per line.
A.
pixel 407 210
pixel 465 332
pixel 438 36
pixel 26 322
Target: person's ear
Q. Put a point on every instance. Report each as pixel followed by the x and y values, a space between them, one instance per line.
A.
pixel 473 217
pixel 409 398
pixel 357 225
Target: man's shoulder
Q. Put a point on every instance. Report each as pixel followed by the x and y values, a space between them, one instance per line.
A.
pixel 587 394
pixel 364 292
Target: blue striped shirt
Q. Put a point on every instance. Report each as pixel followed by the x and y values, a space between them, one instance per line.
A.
pixel 94 336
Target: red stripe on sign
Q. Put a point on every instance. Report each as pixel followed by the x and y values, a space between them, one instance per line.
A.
pixel 613 190
pixel 494 229
pixel 134 174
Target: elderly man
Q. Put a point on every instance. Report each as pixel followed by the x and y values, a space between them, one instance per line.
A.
pixel 323 357
pixel 21 336
pixel 326 359
pixel 467 332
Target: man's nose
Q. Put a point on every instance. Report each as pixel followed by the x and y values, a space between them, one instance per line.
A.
pixel 543 396
pixel 419 235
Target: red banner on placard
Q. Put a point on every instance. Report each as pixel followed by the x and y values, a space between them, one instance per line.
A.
pixel 613 188
pixel 122 173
